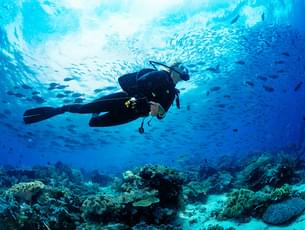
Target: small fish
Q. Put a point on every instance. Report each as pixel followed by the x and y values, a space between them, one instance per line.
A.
pixel 9 125
pixel 281 71
pixel 279 62
pixel 68 79
pixel 10 93
pixel 20 95
pixel 227 96
pixel 67 101
pixel 262 78
pixel 234 20
pixel 38 99
pixel 60 95
pixel 207 93
pixel 61 86
pixel 245 38
pixel 30 134
pixel 110 88
pixel 268 88
pixel 71 126
pixel 241 62
pixel 273 76
pixel 77 94
pixel 303 118
pixel 214 69
pixel 79 100
pixel 188 107
pixel 24 86
pixel 235 130
pixel 285 54
pixel 69 146
pixel 35 93
pixel 7 112
pixel 298 86
pixel 215 88
pixel 71 130
pixel 191 65
pixel 68 91
pixel 53 85
pixel 263 16
pixel 98 90
pixel 221 105
pixel 267 43
pixel 250 83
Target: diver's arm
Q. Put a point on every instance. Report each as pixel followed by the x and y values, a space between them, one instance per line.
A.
pixel 157 110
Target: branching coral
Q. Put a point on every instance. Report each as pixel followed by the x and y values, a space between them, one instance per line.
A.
pixel 281 193
pixel 239 203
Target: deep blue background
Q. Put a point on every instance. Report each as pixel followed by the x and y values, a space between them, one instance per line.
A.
pixel 240 47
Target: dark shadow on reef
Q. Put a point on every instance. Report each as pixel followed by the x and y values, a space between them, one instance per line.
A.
pixel 152 196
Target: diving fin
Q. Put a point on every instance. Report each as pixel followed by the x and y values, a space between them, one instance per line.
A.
pixel 39 114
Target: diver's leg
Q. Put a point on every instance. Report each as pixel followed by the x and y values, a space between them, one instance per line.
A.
pixel 111 119
pixel 106 103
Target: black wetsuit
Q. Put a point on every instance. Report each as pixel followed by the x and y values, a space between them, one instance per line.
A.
pixel 145 85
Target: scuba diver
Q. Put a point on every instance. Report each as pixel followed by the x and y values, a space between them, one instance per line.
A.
pixel 147 92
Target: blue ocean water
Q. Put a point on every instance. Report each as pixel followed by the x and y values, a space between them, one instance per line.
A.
pixel 246 93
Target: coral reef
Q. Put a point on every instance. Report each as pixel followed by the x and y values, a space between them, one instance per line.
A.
pixel 26 191
pixel 269 170
pixel 281 193
pixel 215 227
pixel 151 193
pixel 153 196
pixel 166 181
pixel 195 192
pixel 63 198
pixel 239 203
pixel 100 208
pixel 220 182
pixel 100 179
pixel 205 171
pixel 245 203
